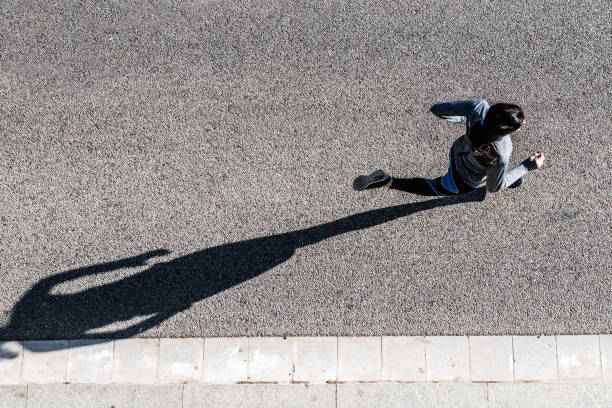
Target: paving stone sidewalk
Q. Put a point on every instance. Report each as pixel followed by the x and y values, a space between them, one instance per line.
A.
pixel 461 371
pixel 486 395
pixel 309 360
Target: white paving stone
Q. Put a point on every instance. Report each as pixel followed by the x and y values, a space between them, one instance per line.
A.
pixel 11 354
pixel 180 360
pixel 359 359
pixel 259 396
pixel 394 395
pixel 90 361
pixel 13 396
pixel 270 359
pixel 44 361
pixel 579 358
pixel 136 361
pixel 448 358
pixel 105 396
pixel 550 395
pixel 605 344
pixel 535 358
pixel 403 358
pixel 491 358
pixel 226 360
pixel 315 359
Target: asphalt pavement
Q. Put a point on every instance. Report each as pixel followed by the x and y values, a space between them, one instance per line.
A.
pixel 184 169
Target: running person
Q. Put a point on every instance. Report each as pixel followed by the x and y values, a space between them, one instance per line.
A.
pixel 481 154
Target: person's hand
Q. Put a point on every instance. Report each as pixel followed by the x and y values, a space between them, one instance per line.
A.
pixel 539 158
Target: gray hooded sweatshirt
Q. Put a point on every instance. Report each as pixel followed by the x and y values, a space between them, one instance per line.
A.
pixel 469 169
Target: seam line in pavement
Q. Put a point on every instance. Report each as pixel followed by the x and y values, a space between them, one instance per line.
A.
pixel 203 357
pixel 158 358
pixel 21 358
pixel 183 396
pixel 248 371
pixel 600 357
pixel 382 367
pixel 337 363
pixel 68 361
pixel 557 355
pixel 425 353
pixel 469 357
pixel 336 393
pixel 112 373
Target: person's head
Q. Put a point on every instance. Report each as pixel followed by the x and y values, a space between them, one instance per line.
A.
pixel 503 119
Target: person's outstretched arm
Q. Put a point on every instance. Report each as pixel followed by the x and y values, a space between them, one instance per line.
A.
pixel 459 111
pixel 498 178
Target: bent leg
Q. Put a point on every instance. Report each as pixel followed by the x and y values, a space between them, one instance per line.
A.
pixel 449 184
pixel 418 186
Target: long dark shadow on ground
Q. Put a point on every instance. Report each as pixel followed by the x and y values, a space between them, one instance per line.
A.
pixel 167 288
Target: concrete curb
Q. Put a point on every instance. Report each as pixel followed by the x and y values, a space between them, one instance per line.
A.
pixel 310 360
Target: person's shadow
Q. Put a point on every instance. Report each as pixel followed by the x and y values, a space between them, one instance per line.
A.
pixel 167 288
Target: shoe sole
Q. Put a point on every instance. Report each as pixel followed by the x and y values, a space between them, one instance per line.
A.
pixel 364 181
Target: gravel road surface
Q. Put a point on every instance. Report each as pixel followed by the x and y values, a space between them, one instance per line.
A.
pixel 184 168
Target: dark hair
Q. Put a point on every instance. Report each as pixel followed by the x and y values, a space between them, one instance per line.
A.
pixel 501 119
